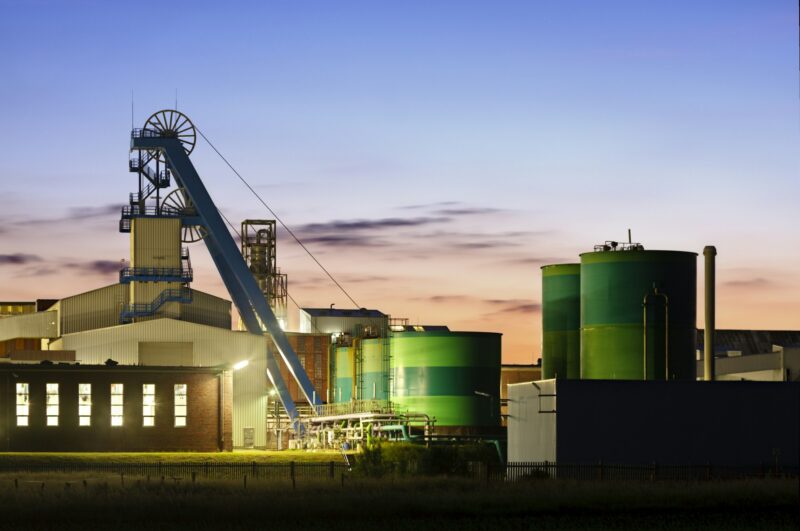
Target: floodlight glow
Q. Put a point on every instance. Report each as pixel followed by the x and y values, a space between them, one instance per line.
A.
pixel 241 365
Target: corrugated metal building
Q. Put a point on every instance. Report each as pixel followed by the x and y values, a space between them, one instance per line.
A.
pixel 209 347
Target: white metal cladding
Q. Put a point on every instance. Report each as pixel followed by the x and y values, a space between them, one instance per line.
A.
pixel 30 325
pixel 532 421
pixel 94 309
pixel 208 310
pixel 212 346
pixel 156 242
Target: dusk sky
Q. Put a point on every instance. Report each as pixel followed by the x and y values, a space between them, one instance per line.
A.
pixel 433 154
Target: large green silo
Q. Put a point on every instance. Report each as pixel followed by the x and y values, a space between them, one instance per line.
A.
pixel 343 374
pixel 453 377
pixel 374 367
pixel 561 321
pixel 622 289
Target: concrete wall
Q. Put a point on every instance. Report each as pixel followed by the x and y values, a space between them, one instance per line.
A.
pixel 633 422
pixel 31 325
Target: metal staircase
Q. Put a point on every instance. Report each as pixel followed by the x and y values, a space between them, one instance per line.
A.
pixel 146 309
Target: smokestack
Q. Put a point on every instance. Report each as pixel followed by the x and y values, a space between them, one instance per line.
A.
pixel 709 338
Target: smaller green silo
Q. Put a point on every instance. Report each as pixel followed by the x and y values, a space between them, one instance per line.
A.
pixel 561 321
pixel 343 375
pixel 374 369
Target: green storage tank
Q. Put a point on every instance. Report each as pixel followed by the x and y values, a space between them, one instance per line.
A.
pixel 561 321
pixel 453 377
pixel 619 290
pixel 375 368
pixel 343 372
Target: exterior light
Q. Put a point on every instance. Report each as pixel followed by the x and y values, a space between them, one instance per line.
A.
pixel 241 365
pixel 273 392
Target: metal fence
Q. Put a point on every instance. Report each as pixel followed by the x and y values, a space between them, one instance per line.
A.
pixel 651 472
pixel 296 471
pixel 191 471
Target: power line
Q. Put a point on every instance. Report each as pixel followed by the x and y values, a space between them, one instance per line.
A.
pixel 291 233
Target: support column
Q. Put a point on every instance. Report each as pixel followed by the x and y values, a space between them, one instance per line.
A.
pixel 709 338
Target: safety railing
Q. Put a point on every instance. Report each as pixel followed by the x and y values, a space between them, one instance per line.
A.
pixel 355 407
pixel 134 211
pixel 140 132
pixel 155 274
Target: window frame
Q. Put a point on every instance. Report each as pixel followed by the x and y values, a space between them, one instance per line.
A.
pixel 121 405
pixel 145 406
pixel 27 403
pixel 184 405
pixel 82 416
pixel 51 404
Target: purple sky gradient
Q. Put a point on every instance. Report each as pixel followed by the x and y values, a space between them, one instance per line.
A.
pixel 433 154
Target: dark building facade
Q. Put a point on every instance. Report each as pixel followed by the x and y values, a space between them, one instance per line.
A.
pixel 68 407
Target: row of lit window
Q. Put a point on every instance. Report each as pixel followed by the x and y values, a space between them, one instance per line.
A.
pixel 85 404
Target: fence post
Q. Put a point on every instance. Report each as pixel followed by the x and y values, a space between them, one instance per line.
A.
pixel 254 469
pixel 654 471
pixel 600 470
pixel 330 469
pixel 245 481
pixel 194 477
pixel 291 472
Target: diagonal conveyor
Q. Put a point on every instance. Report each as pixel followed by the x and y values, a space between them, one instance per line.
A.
pixel 234 272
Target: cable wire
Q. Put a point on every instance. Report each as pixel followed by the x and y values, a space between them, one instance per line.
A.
pixel 291 233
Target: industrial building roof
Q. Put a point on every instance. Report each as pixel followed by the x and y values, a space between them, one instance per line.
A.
pixel 335 312
pixel 71 366
pixel 751 341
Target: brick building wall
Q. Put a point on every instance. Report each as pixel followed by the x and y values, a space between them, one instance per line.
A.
pixel 312 350
pixel 208 409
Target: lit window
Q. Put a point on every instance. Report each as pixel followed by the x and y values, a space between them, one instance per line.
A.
pixel 148 405
pixel 180 405
pixel 23 396
pixel 302 358
pixel 85 404
pixel 117 390
pixel 52 404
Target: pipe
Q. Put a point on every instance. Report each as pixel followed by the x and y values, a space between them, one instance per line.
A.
pixel 656 293
pixel 709 332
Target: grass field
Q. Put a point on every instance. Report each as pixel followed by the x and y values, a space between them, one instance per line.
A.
pixel 239 456
pixel 59 501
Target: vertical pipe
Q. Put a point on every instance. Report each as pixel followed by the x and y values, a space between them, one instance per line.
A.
pixel 709 339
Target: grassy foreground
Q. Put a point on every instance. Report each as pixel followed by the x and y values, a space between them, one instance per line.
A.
pixel 238 456
pixel 104 503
